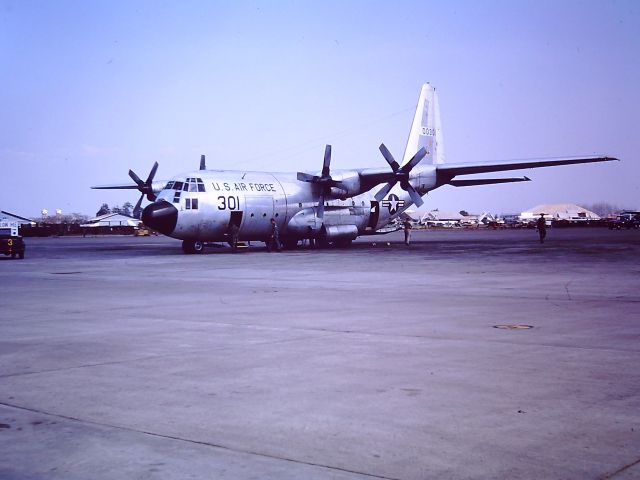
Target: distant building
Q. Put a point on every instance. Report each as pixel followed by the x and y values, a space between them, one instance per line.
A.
pixel 440 218
pixel 112 220
pixel 567 212
pixel 12 217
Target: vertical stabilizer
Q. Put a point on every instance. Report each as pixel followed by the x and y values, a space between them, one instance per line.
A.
pixel 426 130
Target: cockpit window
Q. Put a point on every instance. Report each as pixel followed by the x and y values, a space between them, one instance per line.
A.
pixel 190 184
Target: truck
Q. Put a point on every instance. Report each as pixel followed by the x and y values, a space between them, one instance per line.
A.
pixel 11 243
pixel 626 219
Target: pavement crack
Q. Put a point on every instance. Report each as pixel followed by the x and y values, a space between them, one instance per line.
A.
pixel 566 287
pixel 196 442
pixel 620 470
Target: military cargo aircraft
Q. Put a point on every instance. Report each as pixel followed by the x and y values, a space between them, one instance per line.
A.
pixel 329 207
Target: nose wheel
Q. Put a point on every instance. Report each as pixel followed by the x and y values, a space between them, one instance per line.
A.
pixel 190 246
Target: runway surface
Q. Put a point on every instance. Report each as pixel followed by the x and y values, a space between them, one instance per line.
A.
pixel 120 357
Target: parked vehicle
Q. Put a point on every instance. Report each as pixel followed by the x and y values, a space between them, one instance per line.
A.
pixel 10 242
pixel 626 220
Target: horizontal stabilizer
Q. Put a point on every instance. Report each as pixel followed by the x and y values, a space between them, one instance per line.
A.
pixel 487 181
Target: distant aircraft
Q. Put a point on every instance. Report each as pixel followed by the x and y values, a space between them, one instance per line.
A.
pixel 328 207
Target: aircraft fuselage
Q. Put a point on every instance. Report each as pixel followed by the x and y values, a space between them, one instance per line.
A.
pixel 202 205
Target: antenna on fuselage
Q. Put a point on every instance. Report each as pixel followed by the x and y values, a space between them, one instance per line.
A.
pixel 203 163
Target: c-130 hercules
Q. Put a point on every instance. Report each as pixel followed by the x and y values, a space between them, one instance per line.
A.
pixel 330 207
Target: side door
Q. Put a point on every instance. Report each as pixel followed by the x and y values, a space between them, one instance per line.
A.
pixel 256 218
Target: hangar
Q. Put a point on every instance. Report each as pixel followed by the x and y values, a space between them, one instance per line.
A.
pixel 567 212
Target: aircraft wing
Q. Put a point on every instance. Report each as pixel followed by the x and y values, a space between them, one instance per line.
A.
pixel 450 170
pixel 115 187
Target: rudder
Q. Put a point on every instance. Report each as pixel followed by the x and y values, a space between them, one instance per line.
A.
pixel 426 130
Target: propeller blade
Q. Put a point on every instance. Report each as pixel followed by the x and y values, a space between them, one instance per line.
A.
pixel 306 177
pixel 340 185
pixel 415 196
pixel 137 210
pixel 420 154
pixel 136 178
pixel 389 158
pixel 383 192
pixel 327 161
pixel 152 174
pixel 321 208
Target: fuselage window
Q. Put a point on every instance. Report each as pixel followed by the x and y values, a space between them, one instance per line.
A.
pixel 169 186
pixel 176 197
pixel 185 187
pixel 194 203
pixel 200 185
pixel 193 187
pixel 177 186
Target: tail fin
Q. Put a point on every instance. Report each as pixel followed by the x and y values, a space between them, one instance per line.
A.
pixel 426 130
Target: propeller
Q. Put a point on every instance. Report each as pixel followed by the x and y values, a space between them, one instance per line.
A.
pixel 324 180
pixel 401 174
pixel 146 188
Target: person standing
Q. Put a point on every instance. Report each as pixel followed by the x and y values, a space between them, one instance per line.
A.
pixel 541 225
pixel 274 237
pixel 233 236
pixel 407 231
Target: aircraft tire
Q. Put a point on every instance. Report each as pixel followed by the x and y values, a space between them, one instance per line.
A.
pixel 190 247
pixel 343 243
pixel 290 244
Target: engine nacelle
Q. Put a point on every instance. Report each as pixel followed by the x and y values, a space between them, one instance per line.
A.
pixel 339 233
pixel 349 179
pixel 304 224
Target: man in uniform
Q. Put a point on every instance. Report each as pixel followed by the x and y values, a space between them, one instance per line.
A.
pixel 274 237
pixel 233 237
pixel 407 231
pixel 541 225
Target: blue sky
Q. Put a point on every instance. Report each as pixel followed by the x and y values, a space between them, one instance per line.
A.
pixel 90 89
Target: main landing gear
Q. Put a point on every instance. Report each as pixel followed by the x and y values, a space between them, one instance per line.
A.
pixel 190 246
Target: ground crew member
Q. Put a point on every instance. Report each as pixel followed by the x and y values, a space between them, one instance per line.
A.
pixel 274 237
pixel 541 225
pixel 233 237
pixel 407 231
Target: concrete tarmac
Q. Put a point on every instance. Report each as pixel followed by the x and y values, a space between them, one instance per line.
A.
pixel 120 357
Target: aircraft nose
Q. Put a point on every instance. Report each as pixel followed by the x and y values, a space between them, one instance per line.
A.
pixel 160 216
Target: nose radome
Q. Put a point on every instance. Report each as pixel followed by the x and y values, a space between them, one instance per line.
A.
pixel 160 216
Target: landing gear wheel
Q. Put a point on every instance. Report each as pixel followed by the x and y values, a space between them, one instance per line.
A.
pixel 290 244
pixel 343 243
pixel 189 246
pixel 198 247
